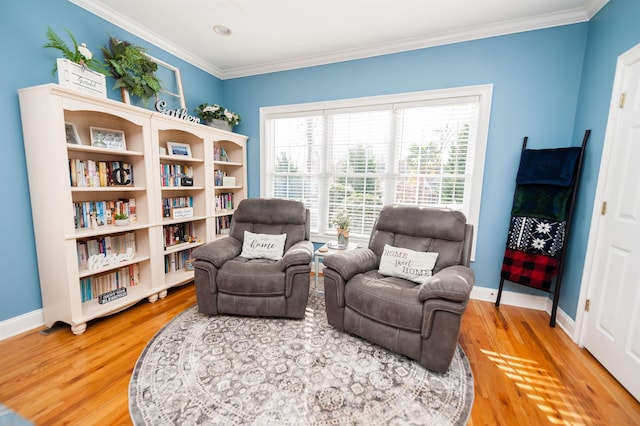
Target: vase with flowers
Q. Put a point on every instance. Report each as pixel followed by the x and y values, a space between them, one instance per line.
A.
pixel 217 116
pixel 342 221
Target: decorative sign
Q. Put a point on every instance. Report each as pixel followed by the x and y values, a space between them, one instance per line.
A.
pixel 181 212
pixel 101 260
pixel 112 295
pixel 181 113
pixel 228 181
pixel 81 79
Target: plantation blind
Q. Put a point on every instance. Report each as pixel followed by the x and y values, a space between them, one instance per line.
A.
pixel 360 157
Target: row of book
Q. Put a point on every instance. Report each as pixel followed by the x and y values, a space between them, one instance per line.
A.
pixel 176 261
pixel 94 286
pixel 223 225
pixel 90 173
pixel 178 234
pixel 89 214
pixel 172 174
pixel 219 154
pixel 224 201
pixel 173 202
pixel 107 245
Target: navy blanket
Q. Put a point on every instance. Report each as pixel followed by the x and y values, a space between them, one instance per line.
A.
pixel 548 166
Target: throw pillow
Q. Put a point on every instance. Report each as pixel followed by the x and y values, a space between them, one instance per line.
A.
pixel 411 265
pixel 263 246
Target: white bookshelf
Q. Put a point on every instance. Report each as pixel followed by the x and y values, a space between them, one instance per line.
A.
pixel 45 110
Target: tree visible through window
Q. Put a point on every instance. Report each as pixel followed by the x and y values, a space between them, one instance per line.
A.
pixel 360 156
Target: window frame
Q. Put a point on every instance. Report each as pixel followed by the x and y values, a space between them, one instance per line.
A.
pixel 482 92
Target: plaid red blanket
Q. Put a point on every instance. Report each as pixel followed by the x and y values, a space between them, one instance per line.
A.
pixel 535 270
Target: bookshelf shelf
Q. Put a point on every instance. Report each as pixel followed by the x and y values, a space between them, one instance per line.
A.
pixel 76 190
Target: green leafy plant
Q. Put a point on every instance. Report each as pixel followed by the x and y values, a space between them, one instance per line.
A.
pixel 216 112
pixel 121 216
pixel 132 68
pixel 80 54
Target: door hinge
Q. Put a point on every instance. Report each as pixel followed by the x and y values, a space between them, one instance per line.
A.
pixel 603 211
pixel 622 98
pixel 586 305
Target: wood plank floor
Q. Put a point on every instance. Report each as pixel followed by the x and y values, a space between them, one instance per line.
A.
pixel 526 373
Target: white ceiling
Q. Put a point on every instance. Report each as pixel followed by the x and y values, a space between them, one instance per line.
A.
pixel 276 35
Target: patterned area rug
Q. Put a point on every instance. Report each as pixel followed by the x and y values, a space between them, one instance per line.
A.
pixel 235 370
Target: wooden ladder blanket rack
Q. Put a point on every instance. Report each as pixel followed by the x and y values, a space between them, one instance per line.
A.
pixel 543 202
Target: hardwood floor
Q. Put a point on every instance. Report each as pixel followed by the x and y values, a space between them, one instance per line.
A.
pixel 525 372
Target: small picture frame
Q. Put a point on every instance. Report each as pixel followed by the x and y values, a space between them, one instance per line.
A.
pixel 72 134
pixel 107 138
pixel 179 149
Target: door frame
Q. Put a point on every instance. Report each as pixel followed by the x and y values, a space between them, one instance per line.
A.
pixel 600 195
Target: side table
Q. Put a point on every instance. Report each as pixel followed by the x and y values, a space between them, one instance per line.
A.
pixel 327 249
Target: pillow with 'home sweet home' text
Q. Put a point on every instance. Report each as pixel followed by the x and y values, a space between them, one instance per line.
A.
pixel 263 246
pixel 411 265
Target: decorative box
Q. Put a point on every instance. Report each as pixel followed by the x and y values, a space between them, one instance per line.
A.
pixel 81 79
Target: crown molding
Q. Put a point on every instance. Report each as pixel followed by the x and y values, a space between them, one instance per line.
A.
pixel 572 16
pixel 568 17
pixel 134 28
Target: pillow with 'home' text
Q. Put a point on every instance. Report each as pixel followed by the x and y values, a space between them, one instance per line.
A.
pixel 411 265
pixel 263 246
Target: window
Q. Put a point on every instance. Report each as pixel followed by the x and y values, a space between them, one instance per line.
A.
pixel 423 148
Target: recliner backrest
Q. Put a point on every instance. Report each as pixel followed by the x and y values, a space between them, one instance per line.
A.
pixel 423 229
pixel 271 216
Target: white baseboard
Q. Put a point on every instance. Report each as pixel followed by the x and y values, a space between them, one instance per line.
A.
pixel 511 298
pixel 529 301
pixel 21 323
pixel 564 321
pixel 25 322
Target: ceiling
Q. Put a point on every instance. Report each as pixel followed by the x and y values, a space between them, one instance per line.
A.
pixel 276 35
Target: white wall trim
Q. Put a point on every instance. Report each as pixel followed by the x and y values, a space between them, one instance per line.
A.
pixel 34 319
pixel 511 298
pixel 549 20
pixel 25 322
pixel 564 321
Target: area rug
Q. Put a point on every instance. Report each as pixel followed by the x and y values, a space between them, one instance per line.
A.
pixel 229 370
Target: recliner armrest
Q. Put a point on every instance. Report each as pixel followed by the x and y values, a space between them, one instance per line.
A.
pixel 453 283
pixel 219 251
pixel 352 262
pixel 298 254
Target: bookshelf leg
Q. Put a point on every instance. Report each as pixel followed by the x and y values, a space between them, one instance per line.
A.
pixel 152 298
pixel 79 328
pixel 162 294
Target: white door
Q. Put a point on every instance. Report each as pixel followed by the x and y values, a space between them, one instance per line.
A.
pixel 612 323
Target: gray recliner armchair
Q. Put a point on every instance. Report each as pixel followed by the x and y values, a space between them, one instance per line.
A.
pixel 227 283
pixel 421 321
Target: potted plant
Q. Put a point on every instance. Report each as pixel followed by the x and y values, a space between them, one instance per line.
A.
pixel 217 116
pixel 121 219
pixel 343 222
pixel 77 68
pixel 80 54
pixel 132 68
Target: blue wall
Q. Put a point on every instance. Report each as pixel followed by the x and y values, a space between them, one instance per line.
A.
pixel 536 81
pixel 613 31
pixel 25 63
pixel 550 85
